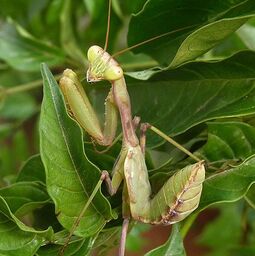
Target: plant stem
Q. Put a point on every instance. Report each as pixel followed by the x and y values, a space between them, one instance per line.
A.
pixel 28 86
pixel 187 224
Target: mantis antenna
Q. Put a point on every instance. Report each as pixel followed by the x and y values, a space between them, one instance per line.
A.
pixel 108 25
pixel 150 40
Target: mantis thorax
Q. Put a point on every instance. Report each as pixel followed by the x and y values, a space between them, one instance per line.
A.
pixel 102 66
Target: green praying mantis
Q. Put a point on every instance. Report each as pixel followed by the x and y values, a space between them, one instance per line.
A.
pixel 178 197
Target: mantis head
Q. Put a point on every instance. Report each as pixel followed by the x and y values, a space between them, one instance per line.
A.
pixel 102 66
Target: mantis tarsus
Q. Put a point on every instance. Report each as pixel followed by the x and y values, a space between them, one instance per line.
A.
pixel 178 197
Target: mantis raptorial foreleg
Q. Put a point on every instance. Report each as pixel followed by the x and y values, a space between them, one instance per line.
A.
pixel 80 107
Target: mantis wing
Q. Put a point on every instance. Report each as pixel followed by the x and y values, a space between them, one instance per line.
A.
pixel 178 197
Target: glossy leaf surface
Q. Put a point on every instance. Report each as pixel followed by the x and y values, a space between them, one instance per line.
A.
pixel 191 28
pixel 70 176
pixel 16 238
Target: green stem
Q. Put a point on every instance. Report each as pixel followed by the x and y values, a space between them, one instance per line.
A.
pixel 187 224
pixel 27 86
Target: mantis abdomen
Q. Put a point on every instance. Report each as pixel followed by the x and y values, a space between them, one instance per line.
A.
pixel 178 197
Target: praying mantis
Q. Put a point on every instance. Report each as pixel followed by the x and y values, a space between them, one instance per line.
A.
pixel 178 197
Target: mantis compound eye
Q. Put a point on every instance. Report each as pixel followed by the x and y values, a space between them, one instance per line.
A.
pixel 113 73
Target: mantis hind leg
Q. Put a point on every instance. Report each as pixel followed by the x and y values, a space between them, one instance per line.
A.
pixel 146 126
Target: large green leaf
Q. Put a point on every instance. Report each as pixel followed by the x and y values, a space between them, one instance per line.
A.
pixel 229 141
pixel 247 34
pixel 107 239
pixel 132 243
pixel 193 27
pixel 32 170
pixel 23 197
pixel 228 186
pixel 17 239
pixel 70 176
pixel 177 100
pixel 232 142
pixel 173 246
pixel 250 196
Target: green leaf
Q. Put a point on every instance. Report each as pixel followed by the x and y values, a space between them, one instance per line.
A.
pixel 133 244
pixel 228 186
pixel 16 238
pixel 32 170
pixel 70 176
pixel 173 246
pixel 247 34
pixel 23 197
pixel 229 141
pixel 23 52
pixel 196 92
pixel 107 239
pixel 191 28
pixel 230 46
pixel 250 196
pixel 77 248
pixel 123 8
